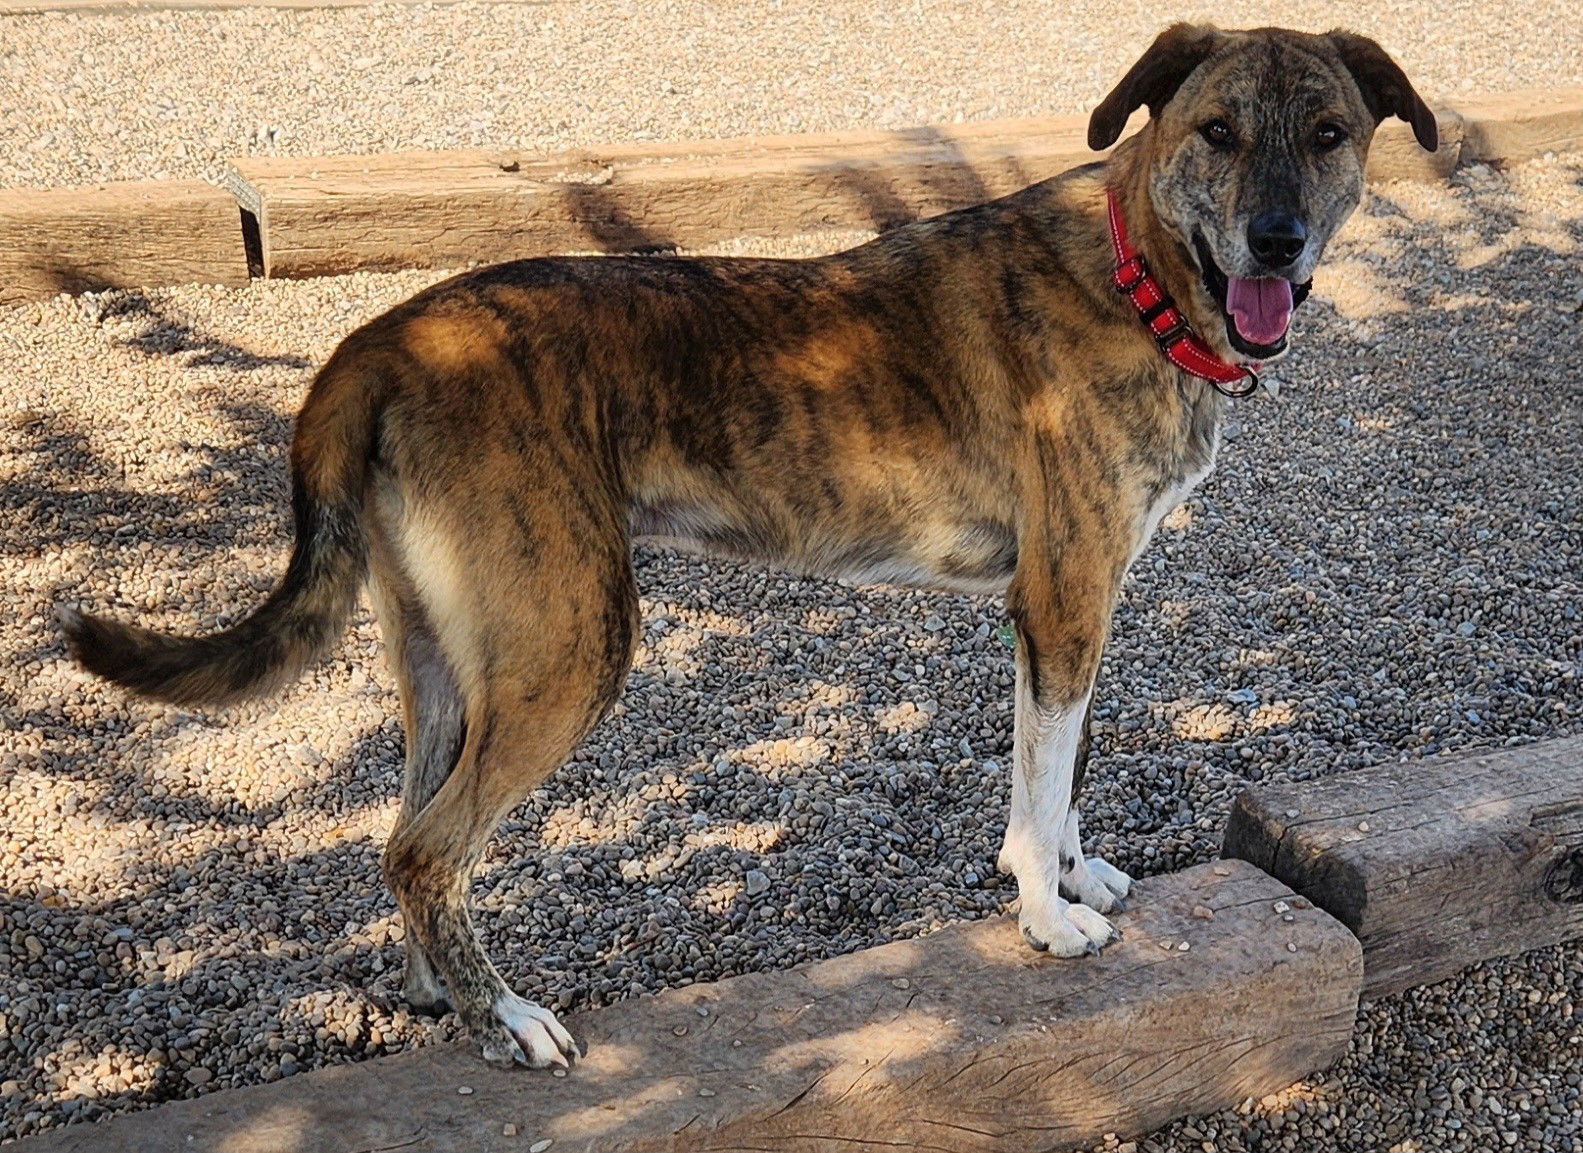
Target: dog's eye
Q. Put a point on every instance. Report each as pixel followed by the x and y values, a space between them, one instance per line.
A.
pixel 1328 136
pixel 1219 133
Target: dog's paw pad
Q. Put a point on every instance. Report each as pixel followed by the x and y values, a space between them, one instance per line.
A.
pixel 431 1007
pixel 500 1048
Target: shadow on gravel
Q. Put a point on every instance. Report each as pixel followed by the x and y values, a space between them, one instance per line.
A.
pixel 161 995
pixel 163 336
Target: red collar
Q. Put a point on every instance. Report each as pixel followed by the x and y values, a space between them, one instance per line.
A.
pixel 1164 320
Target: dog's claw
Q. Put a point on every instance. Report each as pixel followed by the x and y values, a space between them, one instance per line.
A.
pixel 537 1038
pixel 1094 949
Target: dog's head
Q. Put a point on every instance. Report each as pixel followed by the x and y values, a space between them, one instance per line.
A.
pixel 1256 155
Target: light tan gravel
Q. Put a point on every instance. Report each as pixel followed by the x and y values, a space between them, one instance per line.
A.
pixel 136 95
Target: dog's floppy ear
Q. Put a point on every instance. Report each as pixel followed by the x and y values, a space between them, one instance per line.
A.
pixel 1384 86
pixel 1154 79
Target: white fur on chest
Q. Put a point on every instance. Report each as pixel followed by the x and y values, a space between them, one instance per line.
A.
pixel 1169 499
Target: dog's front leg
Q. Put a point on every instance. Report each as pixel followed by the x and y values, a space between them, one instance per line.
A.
pixel 1061 625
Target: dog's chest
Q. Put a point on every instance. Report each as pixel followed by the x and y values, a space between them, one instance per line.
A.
pixel 1180 471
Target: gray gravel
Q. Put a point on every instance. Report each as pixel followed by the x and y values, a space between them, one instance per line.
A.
pixel 87 97
pixel 1386 565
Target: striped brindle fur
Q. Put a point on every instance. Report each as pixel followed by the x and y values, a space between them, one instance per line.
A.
pixel 963 403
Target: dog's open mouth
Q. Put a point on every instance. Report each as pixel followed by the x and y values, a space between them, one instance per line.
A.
pixel 1257 310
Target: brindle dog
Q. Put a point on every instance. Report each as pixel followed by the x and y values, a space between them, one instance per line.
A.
pixel 963 403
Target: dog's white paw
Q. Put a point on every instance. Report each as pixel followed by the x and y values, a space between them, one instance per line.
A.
pixel 1066 930
pixel 528 1035
pixel 1048 921
pixel 1090 881
pixel 1110 876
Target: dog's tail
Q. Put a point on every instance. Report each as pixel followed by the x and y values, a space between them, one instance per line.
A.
pixel 308 610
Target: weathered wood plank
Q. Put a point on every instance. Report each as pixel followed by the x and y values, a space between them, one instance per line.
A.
pixel 1396 154
pixel 1434 864
pixel 448 208
pixel 964 1041
pixel 1516 126
pixel 117 236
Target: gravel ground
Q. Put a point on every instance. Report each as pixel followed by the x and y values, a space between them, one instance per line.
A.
pixel 1385 565
pixel 88 97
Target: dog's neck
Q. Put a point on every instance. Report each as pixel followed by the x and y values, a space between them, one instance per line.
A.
pixel 1127 171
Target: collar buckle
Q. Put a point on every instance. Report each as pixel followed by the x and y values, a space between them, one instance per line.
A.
pixel 1178 330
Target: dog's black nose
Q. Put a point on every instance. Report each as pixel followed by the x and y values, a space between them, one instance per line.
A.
pixel 1276 238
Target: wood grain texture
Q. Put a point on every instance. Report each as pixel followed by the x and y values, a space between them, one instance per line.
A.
pixel 117 236
pixel 1516 126
pixel 1434 864
pixel 965 1041
pixel 439 209
pixel 321 216
pixel 1396 155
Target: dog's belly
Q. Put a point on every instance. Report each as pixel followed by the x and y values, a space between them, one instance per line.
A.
pixel 975 557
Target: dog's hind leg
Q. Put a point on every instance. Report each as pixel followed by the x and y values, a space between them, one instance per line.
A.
pixel 431 703
pixel 435 732
pixel 546 653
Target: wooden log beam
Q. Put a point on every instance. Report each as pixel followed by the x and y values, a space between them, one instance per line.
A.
pixel 1395 153
pixel 1515 126
pixel 1434 864
pixel 439 209
pixel 964 1041
pixel 117 236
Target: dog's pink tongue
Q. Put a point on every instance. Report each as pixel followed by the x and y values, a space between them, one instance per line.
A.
pixel 1261 308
